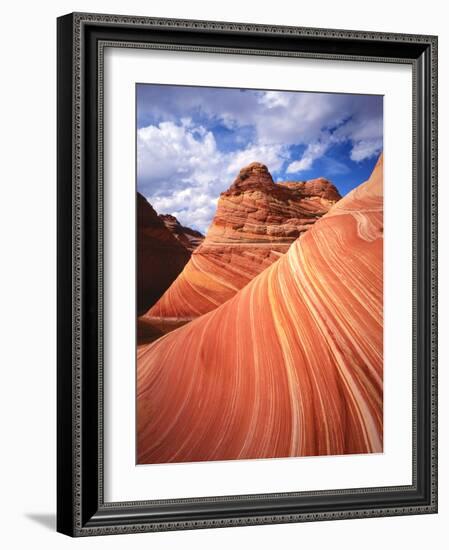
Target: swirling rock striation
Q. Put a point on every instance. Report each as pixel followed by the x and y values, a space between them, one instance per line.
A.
pixel 255 223
pixel 292 365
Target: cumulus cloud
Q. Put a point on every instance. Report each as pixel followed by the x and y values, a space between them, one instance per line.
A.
pixel 169 154
pixel 277 117
pixel 182 172
pixel 185 159
pixel 312 152
pixel 192 208
pixel 366 149
pixel 273 155
pixel 274 99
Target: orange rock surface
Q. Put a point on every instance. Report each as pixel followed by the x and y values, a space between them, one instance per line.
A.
pixel 255 223
pixel 292 365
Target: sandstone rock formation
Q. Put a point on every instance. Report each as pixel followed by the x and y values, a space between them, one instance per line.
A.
pixel 319 187
pixel 292 365
pixel 189 238
pixel 255 223
pixel 160 256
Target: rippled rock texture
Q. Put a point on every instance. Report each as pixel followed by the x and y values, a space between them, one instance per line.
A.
pixel 256 222
pixel 292 365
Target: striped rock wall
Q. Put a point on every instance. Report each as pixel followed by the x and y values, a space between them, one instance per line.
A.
pixel 292 365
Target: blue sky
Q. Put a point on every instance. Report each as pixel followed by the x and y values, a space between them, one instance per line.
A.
pixel 192 142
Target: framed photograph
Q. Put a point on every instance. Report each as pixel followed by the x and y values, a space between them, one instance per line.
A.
pixel 247 247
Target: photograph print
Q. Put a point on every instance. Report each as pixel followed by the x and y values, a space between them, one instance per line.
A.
pixel 259 272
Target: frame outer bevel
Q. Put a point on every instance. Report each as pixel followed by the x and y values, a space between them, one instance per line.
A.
pixel 65 268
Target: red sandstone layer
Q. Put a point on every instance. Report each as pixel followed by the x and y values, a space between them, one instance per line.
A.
pixel 256 222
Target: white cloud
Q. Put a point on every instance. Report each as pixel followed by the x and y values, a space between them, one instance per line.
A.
pixel 169 153
pixel 274 99
pixel 182 172
pixel 312 152
pixel 366 149
pixel 317 121
pixel 277 117
pixel 193 209
pixel 363 130
pixel 273 155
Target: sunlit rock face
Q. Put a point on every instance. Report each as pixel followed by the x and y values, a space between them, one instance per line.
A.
pixel 291 365
pixel 255 223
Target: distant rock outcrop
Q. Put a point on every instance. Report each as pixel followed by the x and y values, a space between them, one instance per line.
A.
pixel 160 256
pixel 255 223
pixel 292 365
pixel 319 187
pixel 189 238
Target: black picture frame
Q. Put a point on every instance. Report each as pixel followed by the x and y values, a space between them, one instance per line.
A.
pixel 81 510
